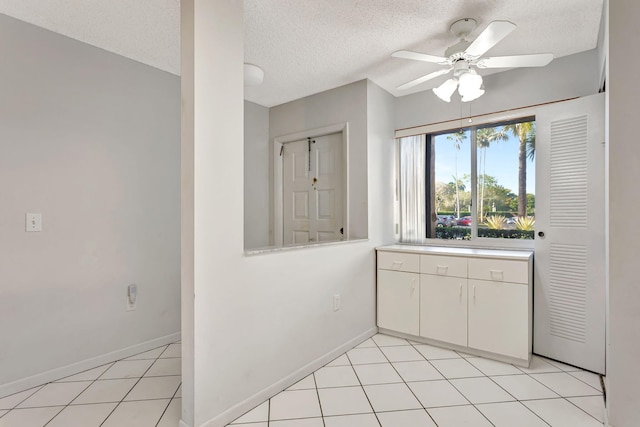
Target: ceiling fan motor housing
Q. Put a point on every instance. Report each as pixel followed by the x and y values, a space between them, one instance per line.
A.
pixel 457 50
pixel 460 29
pixel 460 67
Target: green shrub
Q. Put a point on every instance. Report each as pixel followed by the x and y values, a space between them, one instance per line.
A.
pixel 464 233
pixel 453 233
pixel 506 234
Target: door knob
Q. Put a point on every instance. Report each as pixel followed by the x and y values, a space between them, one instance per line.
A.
pixel 541 233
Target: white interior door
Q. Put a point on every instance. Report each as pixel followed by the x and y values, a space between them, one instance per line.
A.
pixel 326 155
pixel 296 192
pixel 312 190
pixel 569 273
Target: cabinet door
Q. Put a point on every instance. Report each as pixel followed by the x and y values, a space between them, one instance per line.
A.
pixel 443 308
pixel 499 318
pixel 398 301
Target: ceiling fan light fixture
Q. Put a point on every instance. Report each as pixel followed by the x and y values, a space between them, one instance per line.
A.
pixel 446 89
pixel 470 96
pixel 253 75
pixel 470 86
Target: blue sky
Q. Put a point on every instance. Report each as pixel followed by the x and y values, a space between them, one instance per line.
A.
pixel 501 162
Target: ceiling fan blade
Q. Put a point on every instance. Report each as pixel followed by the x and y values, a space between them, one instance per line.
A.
pixel 423 79
pixel 535 60
pixel 491 36
pixel 406 54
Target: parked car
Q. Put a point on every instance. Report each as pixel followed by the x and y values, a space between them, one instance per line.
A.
pixel 464 221
pixel 445 220
pixel 511 220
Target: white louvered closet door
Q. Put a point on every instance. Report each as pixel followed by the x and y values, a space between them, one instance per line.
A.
pixel 569 274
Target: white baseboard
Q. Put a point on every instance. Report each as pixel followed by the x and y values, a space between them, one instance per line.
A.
pixel 241 408
pixel 74 368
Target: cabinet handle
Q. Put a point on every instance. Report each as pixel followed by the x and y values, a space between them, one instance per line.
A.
pixel 498 273
pixel 460 289
pixel 396 265
pixel 442 267
pixel 474 292
pixel 413 286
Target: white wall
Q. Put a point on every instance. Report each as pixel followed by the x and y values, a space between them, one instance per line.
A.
pixel 91 140
pixel 381 139
pixel 272 310
pixel 343 104
pixel 623 370
pixel 566 77
pixel 256 175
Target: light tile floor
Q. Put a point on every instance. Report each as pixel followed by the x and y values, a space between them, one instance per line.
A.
pixel 391 382
pixel 140 391
pixel 383 382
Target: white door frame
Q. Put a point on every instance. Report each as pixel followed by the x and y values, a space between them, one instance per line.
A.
pixel 278 143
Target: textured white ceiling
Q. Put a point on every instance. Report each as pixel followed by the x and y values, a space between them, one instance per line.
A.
pixel 147 31
pixel 308 46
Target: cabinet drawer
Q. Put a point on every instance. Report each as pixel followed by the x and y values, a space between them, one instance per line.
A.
pixel 443 265
pixel 399 261
pixel 499 270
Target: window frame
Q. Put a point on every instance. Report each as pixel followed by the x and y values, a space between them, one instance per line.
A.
pixel 471 123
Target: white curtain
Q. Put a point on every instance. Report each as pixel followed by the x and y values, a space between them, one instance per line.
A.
pixel 412 166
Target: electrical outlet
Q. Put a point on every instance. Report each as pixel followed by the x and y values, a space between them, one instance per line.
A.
pixel 132 297
pixel 336 302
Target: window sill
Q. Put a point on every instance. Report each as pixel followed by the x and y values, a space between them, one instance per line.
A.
pixel 479 243
pixel 288 248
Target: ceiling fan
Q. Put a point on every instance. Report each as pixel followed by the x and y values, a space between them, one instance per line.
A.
pixel 462 57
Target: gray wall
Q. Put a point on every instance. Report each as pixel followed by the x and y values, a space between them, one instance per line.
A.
pixel 343 104
pixel 91 140
pixel 256 175
pixel 566 77
pixel 623 370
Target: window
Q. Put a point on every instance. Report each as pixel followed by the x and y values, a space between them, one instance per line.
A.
pixel 479 182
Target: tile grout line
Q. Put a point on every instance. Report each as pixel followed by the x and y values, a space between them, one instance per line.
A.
pixel 570 402
pixel 22 401
pixel 490 379
pixel 269 411
pixel 563 397
pixel 405 382
pixel 170 400
pixel 518 400
pixel 315 383
pixel 559 396
pixel 424 358
pixel 136 383
pixel 83 390
pixel 361 386
pixel 600 379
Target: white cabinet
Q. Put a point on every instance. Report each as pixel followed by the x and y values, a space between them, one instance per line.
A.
pixel 399 301
pixel 443 308
pixel 498 318
pixel 475 300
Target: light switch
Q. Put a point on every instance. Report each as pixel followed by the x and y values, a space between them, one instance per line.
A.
pixel 33 222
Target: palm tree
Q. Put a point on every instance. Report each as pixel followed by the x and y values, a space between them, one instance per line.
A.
pixel 484 138
pixel 531 144
pixel 457 138
pixel 525 132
